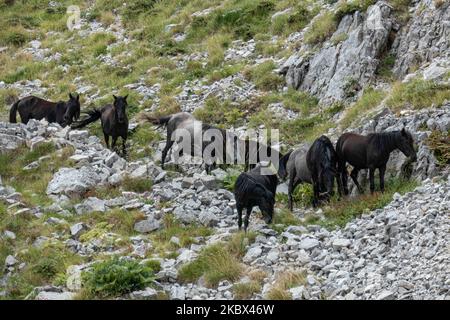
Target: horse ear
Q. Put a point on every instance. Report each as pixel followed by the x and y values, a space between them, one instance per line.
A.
pixel 70 96
pixel 404 131
pixel 115 98
pixel 125 98
pixel 78 97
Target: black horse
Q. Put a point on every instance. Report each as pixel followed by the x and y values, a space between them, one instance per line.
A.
pixel 114 121
pixel 371 152
pixel 254 189
pixel 322 162
pixel 32 107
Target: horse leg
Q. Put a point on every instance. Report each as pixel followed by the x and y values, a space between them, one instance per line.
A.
pixel 247 217
pixel 239 211
pixel 106 140
pixel 291 190
pixel 113 146
pixel 382 170
pixel 354 176
pixel 344 177
pixel 339 184
pixel 169 144
pixel 124 147
pixel 372 180
pixel 316 189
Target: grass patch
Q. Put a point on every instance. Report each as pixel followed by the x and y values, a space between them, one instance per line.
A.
pixel 43 266
pixel 139 185
pixel 321 29
pixel 173 228
pixel 338 213
pixel 439 142
pixel 418 94
pixel 215 263
pixel 246 290
pixel 216 46
pixel 115 220
pixel 285 281
pixel 221 113
pixel 264 77
pixel 219 261
pixel 33 183
pixel 369 100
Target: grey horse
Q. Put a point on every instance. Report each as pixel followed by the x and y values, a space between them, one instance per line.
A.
pixel 295 168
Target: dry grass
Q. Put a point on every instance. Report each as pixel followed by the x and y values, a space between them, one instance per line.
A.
pixel 285 281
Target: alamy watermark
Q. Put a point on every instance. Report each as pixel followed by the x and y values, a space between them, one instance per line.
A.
pixel 224 147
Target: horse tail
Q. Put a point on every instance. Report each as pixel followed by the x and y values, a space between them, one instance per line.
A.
pixel 161 121
pixel 94 115
pixel 282 170
pixel 13 112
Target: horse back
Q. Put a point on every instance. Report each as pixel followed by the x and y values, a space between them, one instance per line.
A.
pixel 352 148
pixel 37 108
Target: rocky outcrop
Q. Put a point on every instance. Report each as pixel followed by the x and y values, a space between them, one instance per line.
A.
pixel 328 72
pixel 425 37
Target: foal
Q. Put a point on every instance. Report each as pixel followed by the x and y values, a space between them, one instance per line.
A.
pixel 371 152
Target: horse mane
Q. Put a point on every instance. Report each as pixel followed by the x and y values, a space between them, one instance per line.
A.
pixel 384 140
pixel 282 164
pixel 326 148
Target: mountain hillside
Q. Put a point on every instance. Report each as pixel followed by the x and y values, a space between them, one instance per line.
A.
pixel 73 213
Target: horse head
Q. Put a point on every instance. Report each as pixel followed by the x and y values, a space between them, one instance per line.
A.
pixel 120 105
pixel 405 143
pixel 266 205
pixel 72 109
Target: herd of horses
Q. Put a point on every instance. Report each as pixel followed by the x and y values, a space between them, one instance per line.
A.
pixel 319 164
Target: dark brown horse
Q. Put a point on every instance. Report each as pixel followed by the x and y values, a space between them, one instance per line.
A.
pixel 32 107
pixel 371 152
pixel 322 162
pixel 114 121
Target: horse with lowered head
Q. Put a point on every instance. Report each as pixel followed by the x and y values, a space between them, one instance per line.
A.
pixel 252 189
pixel 32 107
pixel 114 121
pixel 322 162
pixel 371 152
pixel 293 166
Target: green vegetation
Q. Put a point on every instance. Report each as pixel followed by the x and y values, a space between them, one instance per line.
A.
pixel 219 261
pixel 264 77
pixel 215 263
pixel 439 142
pixel 33 183
pixel 172 228
pixel 137 184
pixel 338 213
pixel 384 69
pixel 246 290
pixel 351 6
pixel 369 100
pixel 43 265
pixel 418 94
pixel 321 29
pixel 221 113
pixel 115 277
pixel 295 21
